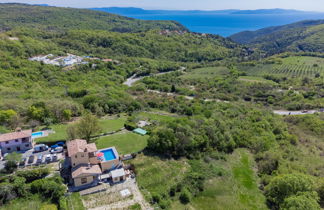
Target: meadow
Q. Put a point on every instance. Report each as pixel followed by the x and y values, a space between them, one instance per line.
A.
pixel 235 188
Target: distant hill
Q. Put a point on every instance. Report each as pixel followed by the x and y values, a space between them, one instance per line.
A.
pixel 301 36
pixel 56 18
pixel 140 11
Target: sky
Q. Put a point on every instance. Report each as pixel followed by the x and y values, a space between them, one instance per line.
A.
pixel 308 5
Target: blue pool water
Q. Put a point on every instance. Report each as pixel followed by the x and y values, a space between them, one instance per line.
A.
pixel 109 154
pixel 37 134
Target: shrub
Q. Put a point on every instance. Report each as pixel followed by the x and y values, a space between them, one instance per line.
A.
pixel 49 189
pixel 63 203
pixel 10 166
pixel 32 175
pixel 302 201
pixel 185 196
pixel 7 193
pixel 284 186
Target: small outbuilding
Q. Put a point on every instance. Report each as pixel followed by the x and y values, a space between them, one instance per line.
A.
pixel 118 175
pixel 140 131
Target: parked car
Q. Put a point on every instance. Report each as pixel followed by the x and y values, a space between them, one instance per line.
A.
pixel 39 159
pixel 54 157
pixel 58 144
pixel 31 159
pixel 61 143
pixel 48 158
pixel 57 150
pixel 40 148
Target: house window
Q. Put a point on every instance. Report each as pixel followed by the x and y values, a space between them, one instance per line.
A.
pixel 16 140
pixel 26 145
pixel 82 155
pixel 84 180
pixel 7 142
pixel 76 156
pixel 9 149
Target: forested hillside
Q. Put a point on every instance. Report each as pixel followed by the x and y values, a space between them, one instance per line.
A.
pixel 58 19
pixel 306 36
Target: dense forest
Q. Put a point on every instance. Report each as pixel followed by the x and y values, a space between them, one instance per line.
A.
pixel 217 96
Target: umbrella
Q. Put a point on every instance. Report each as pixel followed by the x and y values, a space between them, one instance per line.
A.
pixel 100 154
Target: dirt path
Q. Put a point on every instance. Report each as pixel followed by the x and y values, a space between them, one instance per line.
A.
pixel 284 112
pixel 131 80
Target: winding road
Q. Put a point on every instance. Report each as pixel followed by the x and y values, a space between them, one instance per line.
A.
pixel 131 80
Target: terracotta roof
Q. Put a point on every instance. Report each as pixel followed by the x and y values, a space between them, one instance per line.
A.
pixel 15 135
pixel 84 171
pixel 80 145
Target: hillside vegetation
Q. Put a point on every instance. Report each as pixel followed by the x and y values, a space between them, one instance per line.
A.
pixel 55 18
pixel 305 36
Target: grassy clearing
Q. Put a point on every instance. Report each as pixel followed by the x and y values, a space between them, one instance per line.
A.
pixel 309 152
pixel 155 115
pixel 155 175
pixel 125 143
pixel 203 73
pixel 33 203
pixel 236 189
pixel 75 202
pixel 107 125
pixel 253 79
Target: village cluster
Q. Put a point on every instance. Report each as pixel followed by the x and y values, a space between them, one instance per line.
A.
pixel 67 60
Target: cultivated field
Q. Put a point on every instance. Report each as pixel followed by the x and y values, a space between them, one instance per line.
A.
pixel 295 66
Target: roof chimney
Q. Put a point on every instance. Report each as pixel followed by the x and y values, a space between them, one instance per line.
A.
pixel 18 129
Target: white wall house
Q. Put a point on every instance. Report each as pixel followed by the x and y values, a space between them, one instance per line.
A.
pixel 21 140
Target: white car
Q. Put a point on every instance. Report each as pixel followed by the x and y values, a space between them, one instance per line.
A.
pixel 48 158
pixel 57 150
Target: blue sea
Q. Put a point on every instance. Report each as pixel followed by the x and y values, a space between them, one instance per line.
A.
pixel 223 24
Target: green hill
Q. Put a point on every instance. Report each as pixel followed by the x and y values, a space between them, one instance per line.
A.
pixel 305 36
pixel 56 18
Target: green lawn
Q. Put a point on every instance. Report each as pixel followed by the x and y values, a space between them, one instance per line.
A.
pixel 125 143
pixel 107 125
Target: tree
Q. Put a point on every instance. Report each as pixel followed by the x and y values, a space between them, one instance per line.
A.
pixel 284 186
pixel 87 126
pixel 7 116
pixel 302 201
pixel 67 114
pixel 15 157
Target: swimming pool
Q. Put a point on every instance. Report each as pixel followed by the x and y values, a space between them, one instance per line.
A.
pixel 109 154
pixel 37 135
